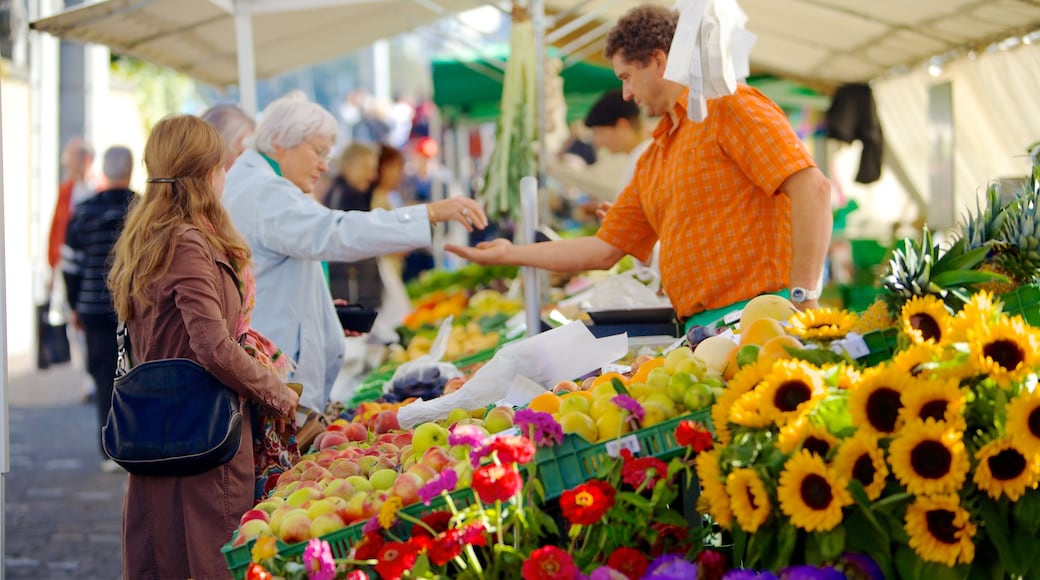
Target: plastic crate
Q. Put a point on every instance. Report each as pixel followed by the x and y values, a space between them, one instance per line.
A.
pixel 576 461
pixel 1024 301
pixel 239 557
pixel 882 345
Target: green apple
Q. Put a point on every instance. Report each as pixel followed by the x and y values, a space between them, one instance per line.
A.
pixel 714 381
pixel 672 359
pixel 382 478
pixel 359 483
pixel 698 396
pixel 456 415
pixel 678 384
pixel 747 354
pixel 658 379
pixel 691 365
pixel 498 419
pixel 428 435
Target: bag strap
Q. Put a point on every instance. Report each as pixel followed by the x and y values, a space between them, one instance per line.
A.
pixel 125 357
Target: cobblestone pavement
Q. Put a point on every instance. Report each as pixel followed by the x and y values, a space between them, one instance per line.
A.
pixel 62 513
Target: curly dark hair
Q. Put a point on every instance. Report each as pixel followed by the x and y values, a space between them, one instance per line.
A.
pixel 640 32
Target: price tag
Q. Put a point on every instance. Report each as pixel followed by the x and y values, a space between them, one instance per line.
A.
pixel 855 346
pixel 612 368
pixel 728 333
pixel 732 317
pixel 630 442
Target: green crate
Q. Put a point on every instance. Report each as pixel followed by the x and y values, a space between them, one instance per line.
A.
pixel 1024 301
pixel 576 461
pixel 882 345
pixel 460 497
pixel 239 557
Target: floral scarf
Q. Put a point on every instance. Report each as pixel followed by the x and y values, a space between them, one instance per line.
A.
pixel 274 442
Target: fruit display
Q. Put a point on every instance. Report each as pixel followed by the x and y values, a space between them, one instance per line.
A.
pixel 469 277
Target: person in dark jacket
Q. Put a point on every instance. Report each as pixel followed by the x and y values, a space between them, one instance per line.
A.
pixel 356 282
pixel 91 234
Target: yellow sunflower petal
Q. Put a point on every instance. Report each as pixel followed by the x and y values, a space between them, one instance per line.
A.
pixel 875 401
pixel 929 457
pixel 925 319
pixel 709 474
pixel 1005 469
pixel 1023 421
pixel 859 458
pixel 811 494
pixel 802 433
pixel 822 324
pixel 940 530
pixel 938 399
pixel 792 387
pixel 981 310
pixel 1005 350
pixel 750 500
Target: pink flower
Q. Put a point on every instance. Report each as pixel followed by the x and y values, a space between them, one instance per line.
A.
pixel 317 559
pixel 470 435
pixel 631 405
pixel 444 482
pixel 540 427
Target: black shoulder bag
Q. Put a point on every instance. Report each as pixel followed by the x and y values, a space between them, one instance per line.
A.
pixel 169 417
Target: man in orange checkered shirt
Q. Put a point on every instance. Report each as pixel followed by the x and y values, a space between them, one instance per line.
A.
pixel 736 201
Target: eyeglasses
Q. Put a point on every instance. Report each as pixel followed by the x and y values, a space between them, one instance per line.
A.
pixel 321 152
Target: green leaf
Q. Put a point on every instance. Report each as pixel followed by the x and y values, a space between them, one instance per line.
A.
pixel 760 546
pixel 1027 513
pixel 866 537
pixel 997 526
pixel 619 386
pixel 965 277
pixel 740 545
pixel 786 538
pixel 634 499
pixel 832 543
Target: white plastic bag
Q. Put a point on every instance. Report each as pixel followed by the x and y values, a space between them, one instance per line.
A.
pixel 431 359
pixel 632 290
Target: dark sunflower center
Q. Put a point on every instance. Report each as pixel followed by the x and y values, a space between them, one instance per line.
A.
pixel 929 328
pixel 751 498
pixel 883 409
pixel 1034 422
pixel 1007 465
pixel 1006 353
pixel 816 492
pixel 940 526
pixel 790 394
pixel 934 410
pixel 931 459
pixel 863 470
pixel 816 445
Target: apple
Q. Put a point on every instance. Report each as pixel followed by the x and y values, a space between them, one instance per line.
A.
pixel 278 515
pixel 373 501
pixel 406 486
pixel 344 468
pixel 437 458
pixel 315 473
pixel 301 496
pixel 402 439
pixel 429 435
pixel 331 439
pixel 386 421
pixel 327 456
pixel 270 504
pixel 285 489
pixel 499 419
pixel 456 415
pixel 698 396
pixel 254 514
pixel 356 432
pixel 423 471
pixel 382 478
pixel 339 488
pixel 326 524
pixel 568 405
pixel 320 506
pixel 253 529
pixel 678 384
pixel 565 386
pixel 295 528
pixel 354 510
pixel 367 463
pixel 464 471
pixel 339 425
pixel 389 450
pixel 359 483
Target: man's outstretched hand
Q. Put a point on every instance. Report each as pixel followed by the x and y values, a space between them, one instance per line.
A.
pixel 485 253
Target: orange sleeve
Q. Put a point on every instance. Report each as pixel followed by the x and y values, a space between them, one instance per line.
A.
pixel 757 136
pixel 59 223
pixel 626 226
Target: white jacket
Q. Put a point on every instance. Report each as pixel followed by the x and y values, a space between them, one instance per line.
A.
pixel 290 234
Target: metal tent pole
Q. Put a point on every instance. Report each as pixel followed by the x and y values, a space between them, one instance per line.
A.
pixel 246 58
pixel 528 227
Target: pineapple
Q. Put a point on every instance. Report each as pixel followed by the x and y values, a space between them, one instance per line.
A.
pixel 876 317
pixel 983 230
pixel 1020 234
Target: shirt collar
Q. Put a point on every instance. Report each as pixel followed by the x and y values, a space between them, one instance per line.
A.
pixel 671 121
pixel 270 161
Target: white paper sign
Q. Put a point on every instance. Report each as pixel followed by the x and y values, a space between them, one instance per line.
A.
pixel 630 442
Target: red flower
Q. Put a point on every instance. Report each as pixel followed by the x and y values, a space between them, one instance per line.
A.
pixel 448 545
pixel 513 449
pixel 586 504
pixel 395 558
pixel 629 561
pixel 671 539
pixel 369 546
pixel 711 565
pixel 437 521
pixel 693 435
pixel 634 471
pixel 357 575
pixel 257 572
pixel 549 563
pixel 496 482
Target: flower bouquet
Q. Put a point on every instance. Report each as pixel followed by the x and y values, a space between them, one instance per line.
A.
pixel 927 463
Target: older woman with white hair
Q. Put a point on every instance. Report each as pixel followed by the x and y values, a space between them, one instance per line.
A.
pixel 267 195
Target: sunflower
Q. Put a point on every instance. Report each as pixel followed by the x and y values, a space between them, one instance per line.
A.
pixel 792 387
pixel 912 359
pixel 842 376
pixel 928 457
pixel 811 494
pixel 750 500
pixel 1005 469
pixel 925 319
pixel 875 401
pixel 860 458
pixel 713 490
pixel 822 324
pixel 745 381
pixel 1023 422
pixel 802 433
pixel 1006 350
pixel 939 399
pixel 981 310
pixel 746 411
pixel 940 530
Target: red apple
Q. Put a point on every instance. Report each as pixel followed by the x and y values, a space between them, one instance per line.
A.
pixel 437 458
pixel 316 473
pixel 295 528
pixel 356 432
pixel 354 510
pixel 386 421
pixel 344 468
pixel 338 488
pixel 402 439
pixel 425 472
pixel 331 439
pixel 254 514
pixel 406 487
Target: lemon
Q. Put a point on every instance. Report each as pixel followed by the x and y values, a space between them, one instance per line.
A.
pixel 579 424
pixel 609 425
